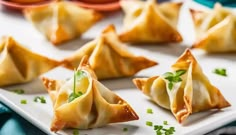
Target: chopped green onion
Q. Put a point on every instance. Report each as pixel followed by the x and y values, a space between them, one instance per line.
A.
pixel 172 128
pixel 125 129
pixel 165 122
pixel 78 75
pixel 75 132
pixel 149 110
pixel 158 132
pixel 149 123
pixel 23 101
pixel 170 85
pixel 174 77
pixel 41 99
pixel 220 71
pixel 19 91
pixel 167 133
pixel 180 72
pixel 158 127
pixel 165 129
pixel 73 96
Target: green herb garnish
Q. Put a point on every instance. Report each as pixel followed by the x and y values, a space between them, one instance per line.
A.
pixel 73 96
pixel 125 129
pixel 174 77
pixel 149 123
pixel 18 91
pixel 160 130
pixel 149 110
pixel 220 71
pixel 157 127
pixel 23 101
pixel 41 99
pixel 165 122
pixel 75 132
pixel 78 75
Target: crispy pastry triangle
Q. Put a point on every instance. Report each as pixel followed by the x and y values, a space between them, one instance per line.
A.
pixel 149 22
pixel 19 65
pixel 194 93
pixel 96 107
pixel 61 21
pixel 215 30
pixel 108 57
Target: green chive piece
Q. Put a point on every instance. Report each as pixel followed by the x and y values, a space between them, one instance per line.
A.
pixel 149 110
pixel 180 72
pixel 168 74
pixel 165 129
pixel 165 122
pixel 158 132
pixel 149 123
pixel 19 91
pixel 41 99
pixel 23 101
pixel 158 127
pixel 167 133
pixel 220 71
pixel 75 132
pixel 172 128
pixel 125 129
pixel 78 75
pixel 174 77
pixel 170 85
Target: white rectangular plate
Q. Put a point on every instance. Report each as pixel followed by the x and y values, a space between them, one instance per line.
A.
pixel 199 123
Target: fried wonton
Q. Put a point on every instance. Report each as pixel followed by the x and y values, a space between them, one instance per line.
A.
pixel 83 102
pixel 185 90
pixel 20 65
pixel 215 30
pixel 108 57
pixel 149 22
pixel 61 21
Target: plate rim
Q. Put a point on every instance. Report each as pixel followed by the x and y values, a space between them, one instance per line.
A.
pixel 111 6
pixel 18 6
pixel 47 130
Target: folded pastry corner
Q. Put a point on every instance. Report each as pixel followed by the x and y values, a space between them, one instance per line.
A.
pixel 184 91
pixel 83 102
pixel 109 57
pixel 19 65
pixel 149 22
pixel 215 30
pixel 61 21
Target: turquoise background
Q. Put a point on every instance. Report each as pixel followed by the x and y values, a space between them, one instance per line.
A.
pixel 13 124
pixel 210 3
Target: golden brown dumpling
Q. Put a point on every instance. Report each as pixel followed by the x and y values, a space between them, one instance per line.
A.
pixel 83 102
pixel 20 65
pixel 108 57
pixel 215 30
pixel 185 90
pixel 149 22
pixel 61 21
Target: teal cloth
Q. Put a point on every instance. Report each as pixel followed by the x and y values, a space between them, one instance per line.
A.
pixel 210 3
pixel 13 124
